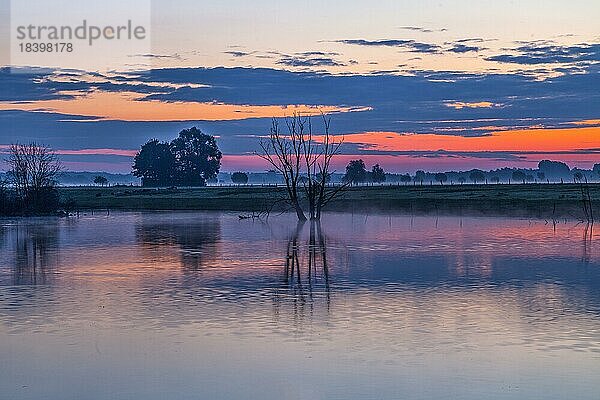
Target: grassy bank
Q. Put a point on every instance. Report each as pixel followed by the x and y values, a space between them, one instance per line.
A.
pixel 536 200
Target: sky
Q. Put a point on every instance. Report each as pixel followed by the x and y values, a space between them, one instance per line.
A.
pixel 434 85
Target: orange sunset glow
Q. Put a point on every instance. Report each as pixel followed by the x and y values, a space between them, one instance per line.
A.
pixel 130 106
pixel 526 140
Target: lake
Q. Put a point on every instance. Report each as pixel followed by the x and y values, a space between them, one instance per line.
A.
pixel 192 305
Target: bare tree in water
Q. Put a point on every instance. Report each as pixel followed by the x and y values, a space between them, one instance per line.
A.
pixel 304 160
pixel 33 173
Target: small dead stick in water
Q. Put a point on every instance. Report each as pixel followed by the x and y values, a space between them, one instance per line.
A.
pixel 584 197
pixel 266 212
pixel 587 200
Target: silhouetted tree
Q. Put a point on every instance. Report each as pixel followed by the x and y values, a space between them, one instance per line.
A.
pixel 495 179
pixel 304 163
pixel 355 172
pixel 285 154
pixel 100 180
pixel 239 178
pixel 541 176
pixel 477 176
pixel 441 177
pixel 596 169
pixel 377 174
pixel 529 178
pixel 33 173
pixel 554 169
pixel 462 179
pixel 420 176
pixel 519 176
pixel 155 164
pixel 197 157
pixel 405 178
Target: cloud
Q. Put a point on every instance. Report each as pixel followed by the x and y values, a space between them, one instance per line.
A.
pixel 31 84
pixel 299 59
pixel 317 53
pixel 467 45
pixel 545 52
pixel 463 48
pixel 238 54
pixel 418 103
pixel 408 45
pixel 310 59
pixel 151 55
pixel 459 105
pixel 416 28
pixel 421 29
pixel 303 61
pixel 590 122
pixel 98 152
pixel 472 40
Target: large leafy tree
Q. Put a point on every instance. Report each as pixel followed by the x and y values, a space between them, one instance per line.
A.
pixel 377 174
pixel 197 157
pixel 155 164
pixel 441 177
pixel 355 172
pixel 405 178
pixel 191 159
pixel 554 169
pixel 476 176
pixel 420 176
pixel 519 176
pixel 239 178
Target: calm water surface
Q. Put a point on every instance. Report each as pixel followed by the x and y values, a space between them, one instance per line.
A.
pixel 204 306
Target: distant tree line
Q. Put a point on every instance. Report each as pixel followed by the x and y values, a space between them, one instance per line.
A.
pixel 191 159
pixel 547 171
pixel 357 173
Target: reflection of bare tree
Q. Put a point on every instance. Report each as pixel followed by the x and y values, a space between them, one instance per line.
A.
pixel 306 267
pixel 588 233
pixel 3 235
pixel 196 238
pixel 319 249
pixel 35 254
pixel 292 262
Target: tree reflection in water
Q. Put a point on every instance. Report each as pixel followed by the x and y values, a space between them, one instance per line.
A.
pixel 306 270
pixel 195 238
pixel 36 253
pixel 588 234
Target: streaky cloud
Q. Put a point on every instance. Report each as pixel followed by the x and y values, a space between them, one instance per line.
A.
pixel 545 52
pixel 408 45
pixel 303 61
pixel 463 48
